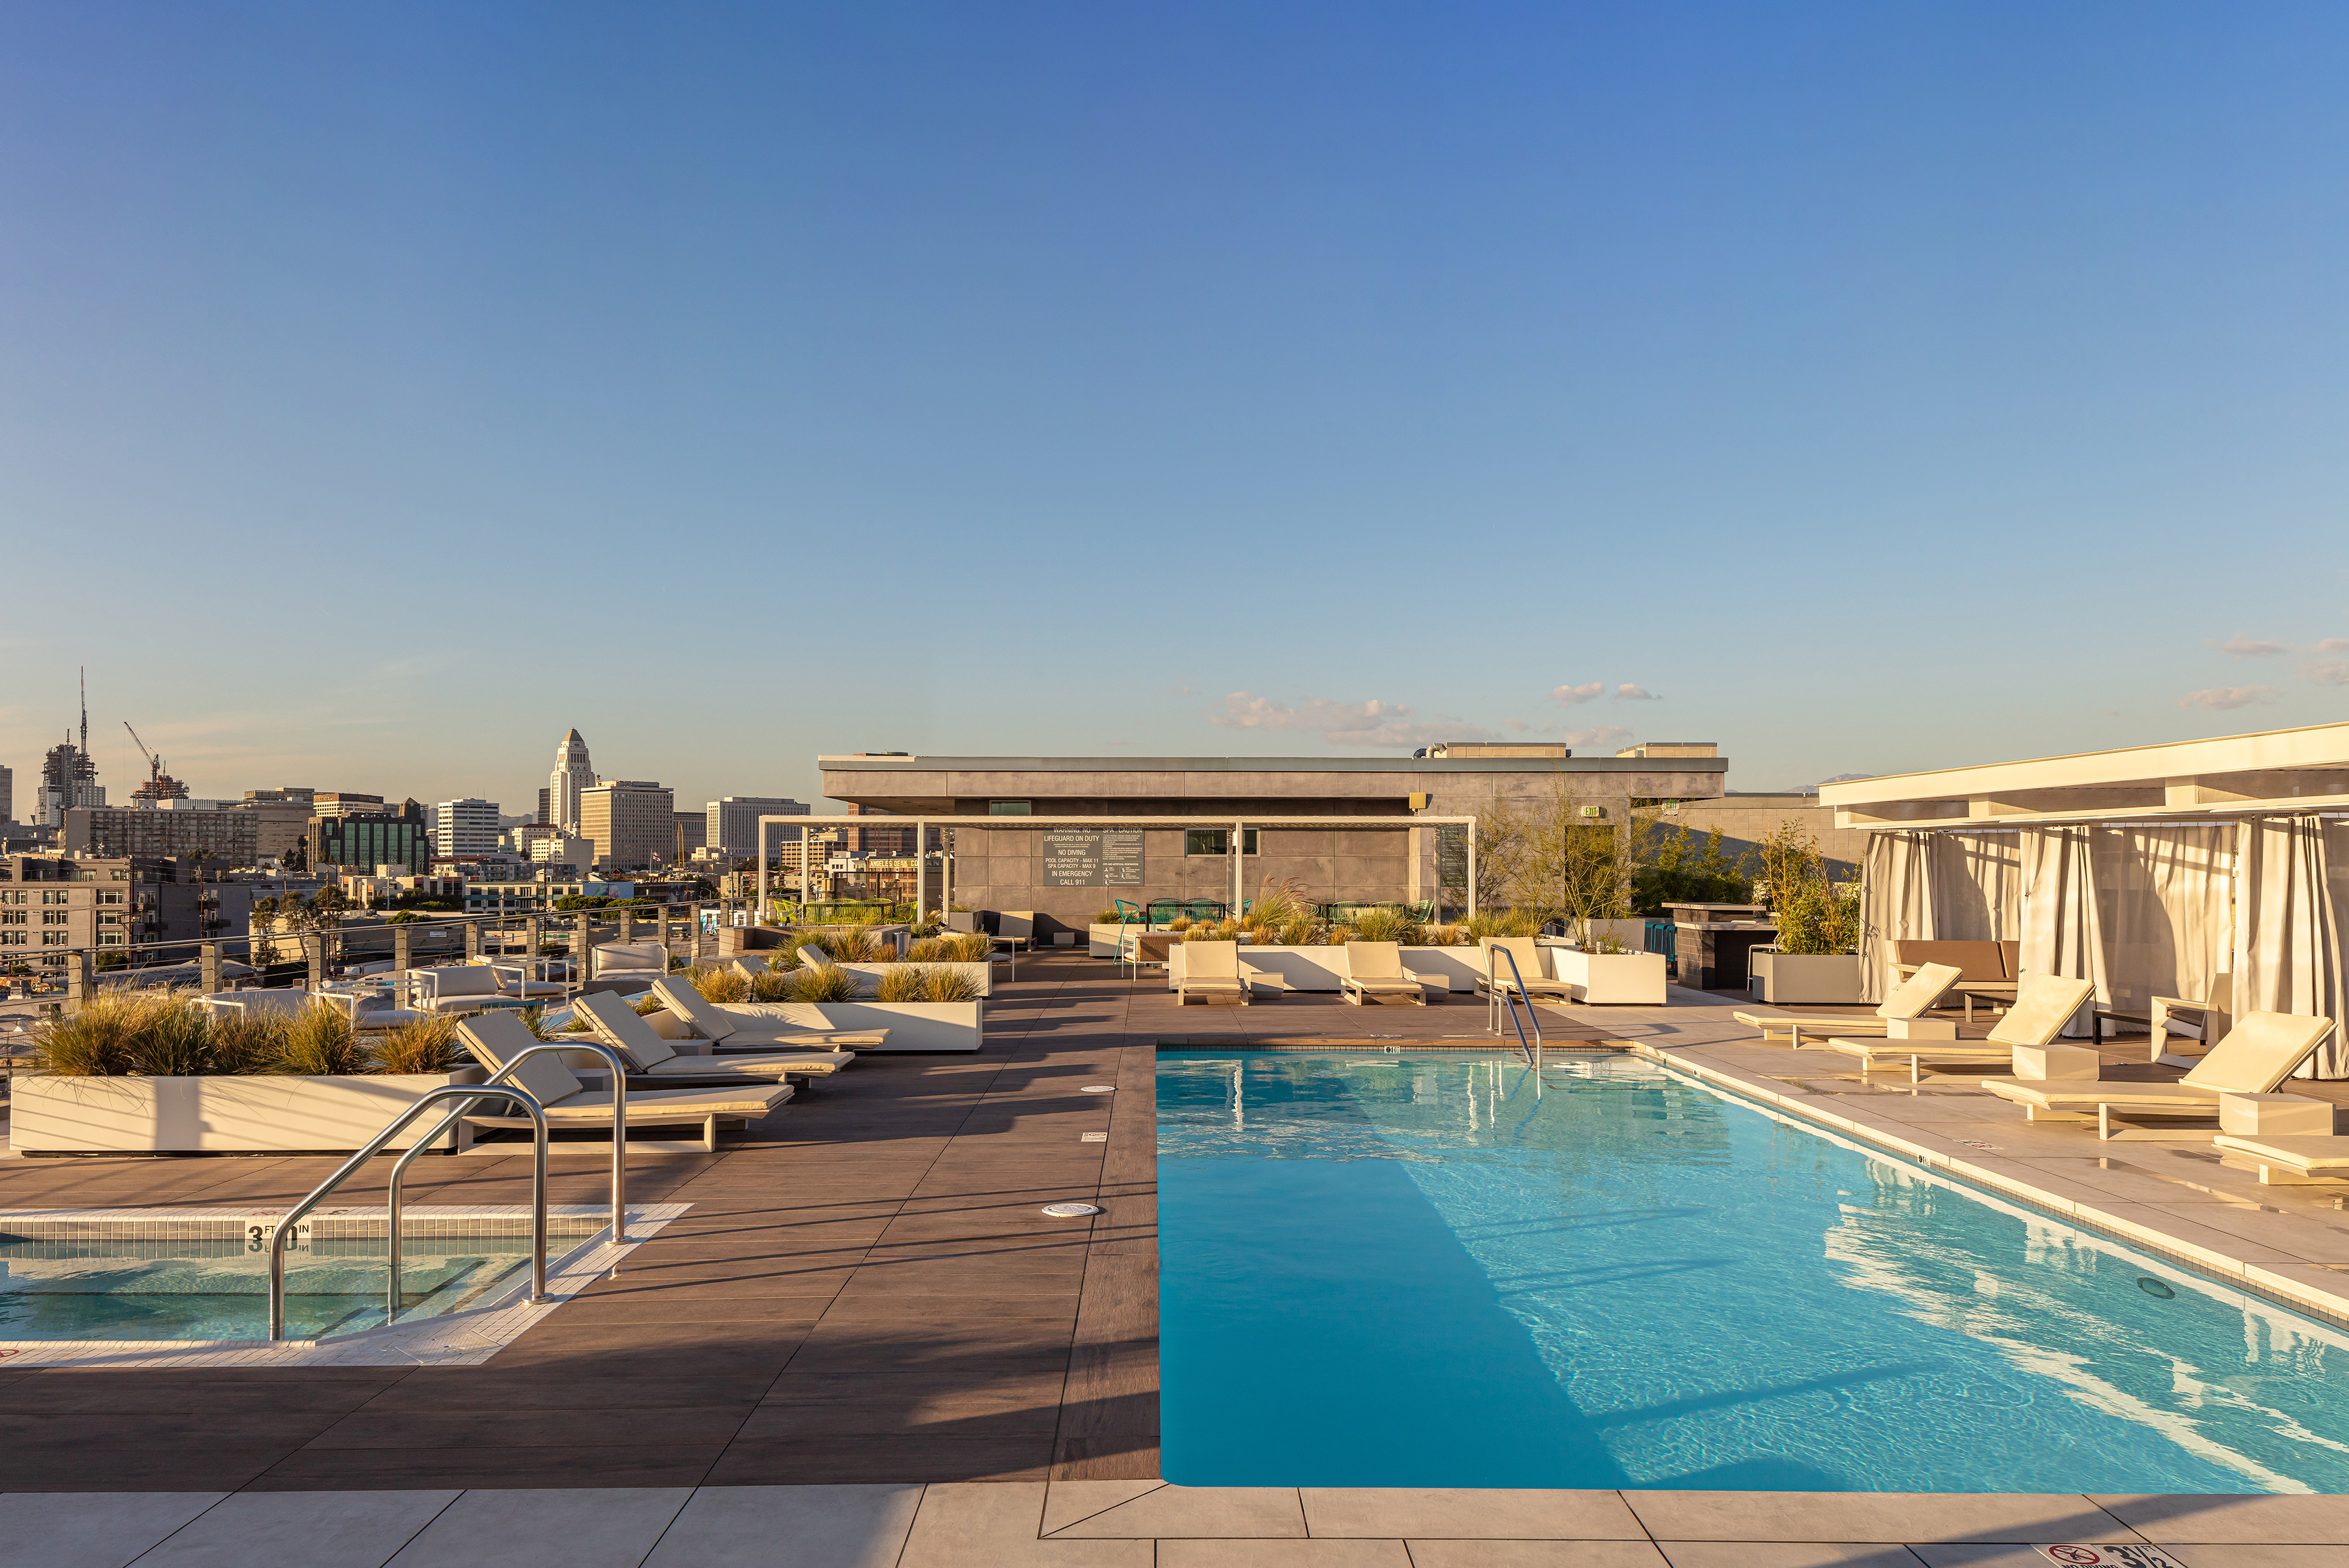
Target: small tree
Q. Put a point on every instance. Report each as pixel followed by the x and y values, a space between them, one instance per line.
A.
pixel 1814 915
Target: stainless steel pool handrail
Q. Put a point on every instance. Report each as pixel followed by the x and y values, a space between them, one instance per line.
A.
pixel 287 1226
pixel 1499 999
pixel 619 1152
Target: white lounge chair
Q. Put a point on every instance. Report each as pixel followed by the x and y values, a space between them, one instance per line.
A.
pixel 569 1104
pixel 2258 1055
pixel 816 957
pixel 1900 1014
pixel 1213 969
pixel 2289 1161
pixel 733 1029
pixel 1497 975
pixel 2042 1004
pixel 1375 969
pixel 617 1024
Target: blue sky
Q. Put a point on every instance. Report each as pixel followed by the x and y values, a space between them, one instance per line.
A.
pixel 384 390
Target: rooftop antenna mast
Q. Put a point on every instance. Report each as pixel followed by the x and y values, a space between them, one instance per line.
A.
pixel 84 711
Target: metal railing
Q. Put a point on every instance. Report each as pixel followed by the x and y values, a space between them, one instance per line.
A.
pixel 289 1226
pixel 619 1156
pixel 497 1087
pixel 1498 999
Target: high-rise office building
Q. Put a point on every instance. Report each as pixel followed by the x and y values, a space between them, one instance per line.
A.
pixel 732 822
pixel 7 794
pixel 545 817
pixel 464 829
pixel 343 802
pixel 631 822
pixel 573 773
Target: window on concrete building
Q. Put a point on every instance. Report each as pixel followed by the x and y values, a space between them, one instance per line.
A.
pixel 1010 808
pixel 1216 841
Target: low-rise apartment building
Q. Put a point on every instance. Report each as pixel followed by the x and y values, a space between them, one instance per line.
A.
pixel 52 904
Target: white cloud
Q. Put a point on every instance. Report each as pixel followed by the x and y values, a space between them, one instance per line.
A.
pixel 2223 697
pixel 1573 694
pixel 1372 723
pixel 1627 692
pixel 2333 644
pixel 2327 671
pixel 1515 726
pixel 1605 735
pixel 2243 647
pixel 1180 691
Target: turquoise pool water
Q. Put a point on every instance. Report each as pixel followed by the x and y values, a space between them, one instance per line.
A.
pixel 1392 1270
pixel 194 1289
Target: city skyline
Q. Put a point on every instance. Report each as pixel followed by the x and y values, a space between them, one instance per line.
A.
pixel 1862 391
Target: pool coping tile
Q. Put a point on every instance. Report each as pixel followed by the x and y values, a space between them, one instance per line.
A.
pixel 1470 1513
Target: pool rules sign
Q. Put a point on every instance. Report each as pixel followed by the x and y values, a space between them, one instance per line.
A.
pixel 1086 859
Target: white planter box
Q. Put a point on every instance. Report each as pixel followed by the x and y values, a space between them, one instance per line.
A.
pixel 263 1113
pixel 911 1025
pixel 1817 980
pixel 868 975
pixel 1321 967
pixel 1634 979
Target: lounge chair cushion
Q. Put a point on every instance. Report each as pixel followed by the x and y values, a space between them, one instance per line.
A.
pixel 695 1009
pixel 495 1039
pixel 2043 1005
pixel 618 1025
pixel 1973 961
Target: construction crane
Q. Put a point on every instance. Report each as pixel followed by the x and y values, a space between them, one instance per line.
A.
pixel 154 763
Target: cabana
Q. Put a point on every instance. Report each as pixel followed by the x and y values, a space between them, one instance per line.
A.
pixel 2204 874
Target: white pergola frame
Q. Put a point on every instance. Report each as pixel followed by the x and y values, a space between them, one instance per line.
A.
pixel 2277 773
pixel 1238 824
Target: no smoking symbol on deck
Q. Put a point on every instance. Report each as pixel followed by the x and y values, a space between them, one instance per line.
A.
pixel 2113 1556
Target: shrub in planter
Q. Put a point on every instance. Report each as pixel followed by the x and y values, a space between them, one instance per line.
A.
pixel 971 947
pixel 852 944
pixel 771 986
pixel 1385 926
pixel 828 983
pixel 930 950
pixel 922 982
pixel 424 1045
pixel 319 1043
pixel 720 985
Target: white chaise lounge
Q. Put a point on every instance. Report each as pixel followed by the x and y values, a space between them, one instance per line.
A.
pixel 1527 979
pixel 733 1029
pixel 615 1024
pixel 1900 1015
pixel 2042 1004
pixel 2256 1056
pixel 1369 970
pixel 570 1105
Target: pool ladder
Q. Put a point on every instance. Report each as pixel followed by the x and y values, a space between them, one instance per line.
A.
pixel 1497 999
pixel 472 1094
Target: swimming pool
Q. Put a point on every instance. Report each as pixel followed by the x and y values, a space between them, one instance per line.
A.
pixel 208 1279
pixel 1418 1270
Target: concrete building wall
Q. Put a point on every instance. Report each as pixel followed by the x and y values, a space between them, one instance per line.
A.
pixel 731 822
pixel 1746 820
pixel 226 837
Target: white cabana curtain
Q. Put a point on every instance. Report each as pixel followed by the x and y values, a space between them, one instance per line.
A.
pixel 2061 931
pixel 2288 927
pixel 1974 883
pixel 1894 902
pixel 2163 910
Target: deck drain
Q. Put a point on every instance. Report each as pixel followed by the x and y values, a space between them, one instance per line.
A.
pixel 1092 1137
pixel 1101 1088
pixel 1071 1211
